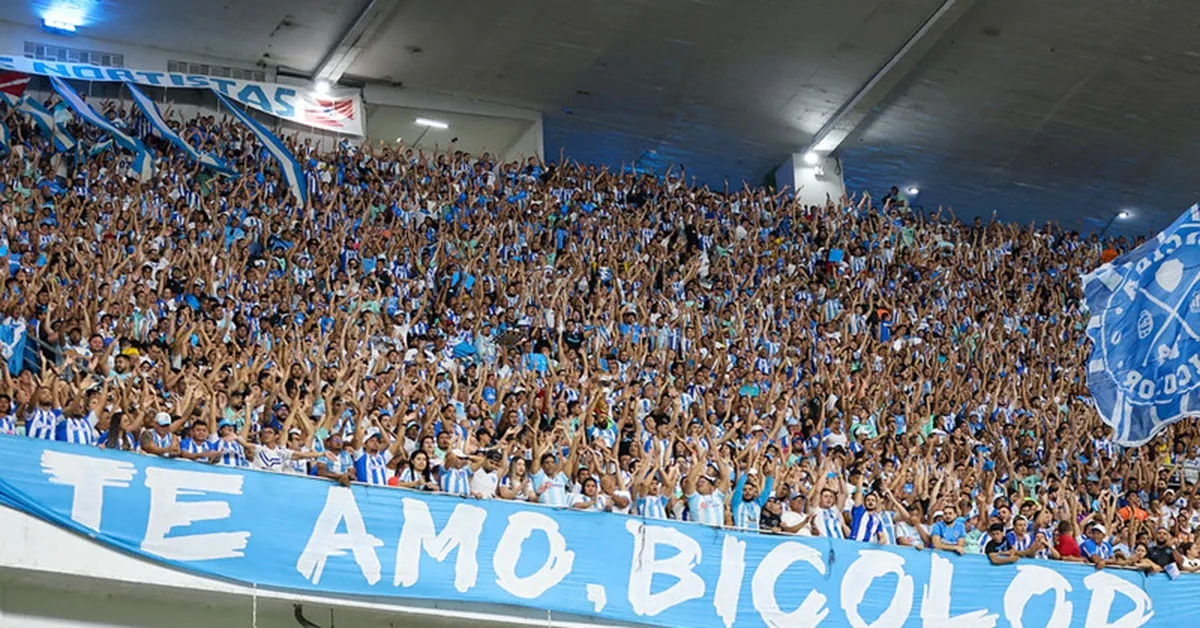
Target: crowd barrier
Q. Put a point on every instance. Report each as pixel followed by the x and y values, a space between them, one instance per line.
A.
pixel 301 534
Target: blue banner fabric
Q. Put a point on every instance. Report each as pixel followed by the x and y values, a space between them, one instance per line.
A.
pixel 5 142
pixel 63 141
pixel 297 533
pixel 13 333
pixel 143 161
pixel 1145 329
pixel 150 110
pixel 292 172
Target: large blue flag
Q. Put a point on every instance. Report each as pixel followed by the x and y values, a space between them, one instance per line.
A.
pixel 1144 372
pixel 4 139
pixel 42 117
pixel 292 172
pixel 143 161
pixel 150 110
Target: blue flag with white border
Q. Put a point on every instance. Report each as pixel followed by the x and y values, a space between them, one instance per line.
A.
pixel 42 117
pixel 143 161
pixel 293 173
pixel 1144 371
pixel 154 116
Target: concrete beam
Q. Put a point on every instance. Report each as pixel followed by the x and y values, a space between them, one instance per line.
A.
pixel 337 59
pixel 900 64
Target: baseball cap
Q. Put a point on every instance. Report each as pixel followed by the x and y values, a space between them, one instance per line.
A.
pixel 1099 528
pixel 162 418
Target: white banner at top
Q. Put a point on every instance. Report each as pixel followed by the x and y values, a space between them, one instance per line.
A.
pixel 338 111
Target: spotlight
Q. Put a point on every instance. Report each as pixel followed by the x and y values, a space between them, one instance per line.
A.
pixel 811 158
pixel 913 191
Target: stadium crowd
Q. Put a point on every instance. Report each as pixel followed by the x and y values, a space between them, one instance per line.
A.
pixel 581 338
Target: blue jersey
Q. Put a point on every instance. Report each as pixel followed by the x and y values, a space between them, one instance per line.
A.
pixel 42 423
pixel 829 522
pixel 336 464
pixel 78 430
pixel 232 453
pixel 653 507
pixel 1020 544
pixel 864 526
pixel 556 488
pixel 456 481
pixel 371 468
pixel 194 446
pixel 8 424
pixel 707 509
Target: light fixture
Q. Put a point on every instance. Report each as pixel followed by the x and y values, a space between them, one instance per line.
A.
pixel 399 139
pixel 63 17
pixel 914 190
pixel 56 25
pixel 1123 214
pixel 433 124
pixel 322 86
pixel 811 158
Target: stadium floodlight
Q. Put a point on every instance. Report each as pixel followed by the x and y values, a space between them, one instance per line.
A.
pixel 811 158
pixel 63 17
pixel 433 124
pixel 914 190
pixel 1124 213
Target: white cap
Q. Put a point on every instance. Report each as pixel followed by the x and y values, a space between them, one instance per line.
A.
pixel 162 418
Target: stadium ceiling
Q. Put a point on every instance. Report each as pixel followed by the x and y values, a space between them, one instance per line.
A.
pixel 1072 109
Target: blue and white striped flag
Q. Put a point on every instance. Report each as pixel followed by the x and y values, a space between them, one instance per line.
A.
pixel 1144 371
pixel 143 161
pixel 4 141
pixel 150 110
pixel 9 99
pixel 100 147
pixel 292 172
pixel 63 141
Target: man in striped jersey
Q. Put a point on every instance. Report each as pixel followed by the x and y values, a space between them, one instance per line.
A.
pixel 8 420
pixel 706 492
pixel 41 421
pixel 200 445
pixel 160 440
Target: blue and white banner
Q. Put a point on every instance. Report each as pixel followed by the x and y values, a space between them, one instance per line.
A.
pixel 293 173
pixel 305 534
pixel 5 141
pixel 340 111
pixel 13 334
pixel 42 117
pixel 143 160
pixel 150 110
pixel 99 147
pixel 1144 371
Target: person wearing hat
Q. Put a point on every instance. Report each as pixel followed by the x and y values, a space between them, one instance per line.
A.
pixel 997 549
pixel 1096 549
pixel 335 463
pixel 161 440
pixel 796 518
pixel 486 477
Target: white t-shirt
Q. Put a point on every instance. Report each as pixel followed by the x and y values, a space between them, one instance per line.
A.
pixel 271 458
pixel 484 483
pixel 791 518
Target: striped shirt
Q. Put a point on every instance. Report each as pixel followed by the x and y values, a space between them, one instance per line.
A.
pixel 193 446
pixel 8 424
pixel 41 423
pixel 1020 544
pixel 78 430
pixel 556 488
pixel 371 468
pixel 707 509
pixel 829 522
pixel 865 526
pixel 653 507
pixel 456 481
pixel 232 453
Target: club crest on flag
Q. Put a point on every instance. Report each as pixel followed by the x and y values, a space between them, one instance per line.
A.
pixel 1144 371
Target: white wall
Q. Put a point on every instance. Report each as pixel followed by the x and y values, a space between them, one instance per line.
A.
pixel 13 38
pixel 813 184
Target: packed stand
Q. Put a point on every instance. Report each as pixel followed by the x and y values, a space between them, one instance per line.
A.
pixel 579 338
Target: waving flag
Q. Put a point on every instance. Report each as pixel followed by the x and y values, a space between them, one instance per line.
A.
pixel 1144 372
pixel 292 172
pixel 329 112
pixel 12 87
pixel 150 110
pixel 99 147
pixel 63 141
pixel 4 140
pixel 143 161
